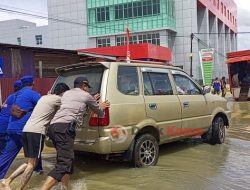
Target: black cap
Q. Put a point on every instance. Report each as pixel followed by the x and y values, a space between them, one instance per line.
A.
pixel 82 80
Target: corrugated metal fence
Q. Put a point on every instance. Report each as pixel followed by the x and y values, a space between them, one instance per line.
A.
pixel 42 85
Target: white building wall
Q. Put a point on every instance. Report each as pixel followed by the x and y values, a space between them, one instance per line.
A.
pixel 12 29
pixel 30 39
pixel 186 24
pixel 222 49
pixel 69 30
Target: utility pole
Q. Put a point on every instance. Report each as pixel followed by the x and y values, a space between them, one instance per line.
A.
pixel 128 48
pixel 191 55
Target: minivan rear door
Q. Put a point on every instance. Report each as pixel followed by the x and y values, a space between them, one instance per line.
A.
pixel 95 74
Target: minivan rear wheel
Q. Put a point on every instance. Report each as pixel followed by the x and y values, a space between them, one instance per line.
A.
pixel 146 151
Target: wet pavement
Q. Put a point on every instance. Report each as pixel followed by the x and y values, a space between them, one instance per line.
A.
pixel 189 164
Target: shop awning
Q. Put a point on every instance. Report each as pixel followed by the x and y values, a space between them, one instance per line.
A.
pixel 238 56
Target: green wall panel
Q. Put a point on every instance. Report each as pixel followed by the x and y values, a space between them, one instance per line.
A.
pixel 164 19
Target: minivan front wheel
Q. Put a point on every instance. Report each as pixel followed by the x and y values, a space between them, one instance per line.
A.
pixel 146 151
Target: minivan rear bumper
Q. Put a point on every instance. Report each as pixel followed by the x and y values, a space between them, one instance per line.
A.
pixel 101 145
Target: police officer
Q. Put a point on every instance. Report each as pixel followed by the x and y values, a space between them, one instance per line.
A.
pixel 61 131
pixel 5 115
pixel 25 99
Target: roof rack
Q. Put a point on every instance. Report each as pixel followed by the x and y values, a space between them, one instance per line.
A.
pixel 147 62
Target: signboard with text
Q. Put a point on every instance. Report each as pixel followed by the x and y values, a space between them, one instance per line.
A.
pixel 207 64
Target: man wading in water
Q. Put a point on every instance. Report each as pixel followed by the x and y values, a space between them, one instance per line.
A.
pixel 62 129
pixel 34 133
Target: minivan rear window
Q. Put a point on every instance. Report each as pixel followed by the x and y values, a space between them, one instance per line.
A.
pixel 156 84
pixel 93 74
pixel 127 80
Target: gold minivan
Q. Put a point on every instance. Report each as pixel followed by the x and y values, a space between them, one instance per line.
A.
pixel 150 104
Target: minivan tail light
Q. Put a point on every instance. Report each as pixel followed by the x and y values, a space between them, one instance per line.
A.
pixel 94 120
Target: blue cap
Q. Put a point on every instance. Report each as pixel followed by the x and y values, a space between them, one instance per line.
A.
pixel 18 83
pixel 27 78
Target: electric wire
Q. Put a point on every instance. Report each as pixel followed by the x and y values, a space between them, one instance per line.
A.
pixel 40 15
pixel 207 46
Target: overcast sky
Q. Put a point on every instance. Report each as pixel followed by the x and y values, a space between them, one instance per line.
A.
pixel 40 7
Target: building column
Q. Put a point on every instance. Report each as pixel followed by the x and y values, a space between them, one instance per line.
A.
pixel 228 39
pixel 233 43
pixel 228 49
pixel 164 38
pixel 213 39
pixel 236 41
pixel 203 27
pixel 220 67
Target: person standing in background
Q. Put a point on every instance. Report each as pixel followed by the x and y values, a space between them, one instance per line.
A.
pixel 212 86
pixel 216 86
pixel 235 80
pixel 223 84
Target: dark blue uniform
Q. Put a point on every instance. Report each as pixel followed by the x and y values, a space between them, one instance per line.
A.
pixel 26 99
pixel 4 120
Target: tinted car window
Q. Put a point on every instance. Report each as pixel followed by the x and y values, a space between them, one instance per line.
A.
pixel 127 80
pixel 185 86
pixel 93 74
pixel 157 84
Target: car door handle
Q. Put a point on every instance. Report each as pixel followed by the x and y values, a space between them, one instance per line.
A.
pixel 152 106
pixel 186 104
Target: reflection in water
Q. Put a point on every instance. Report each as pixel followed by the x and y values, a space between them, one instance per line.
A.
pixel 240 120
pixel 189 164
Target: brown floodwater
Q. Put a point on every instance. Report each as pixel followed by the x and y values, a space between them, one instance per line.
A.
pixel 189 164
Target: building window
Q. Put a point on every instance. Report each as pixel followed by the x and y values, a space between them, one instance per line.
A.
pixel 171 8
pixel 225 11
pixel 228 14
pixel 152 38
pixel 103 42
pixel 218 4
pixel 19 41
pixel 222 8
pixel 214 2
pixel 102 14
pixel 137 9
pixel 39 39
pixel 121 40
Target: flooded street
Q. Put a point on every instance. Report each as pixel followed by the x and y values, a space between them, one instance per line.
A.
pixel 189 164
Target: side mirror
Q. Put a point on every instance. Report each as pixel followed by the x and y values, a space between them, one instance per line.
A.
pixel 206 89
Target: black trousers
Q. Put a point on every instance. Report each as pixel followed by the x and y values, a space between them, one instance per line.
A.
pixel 63 140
